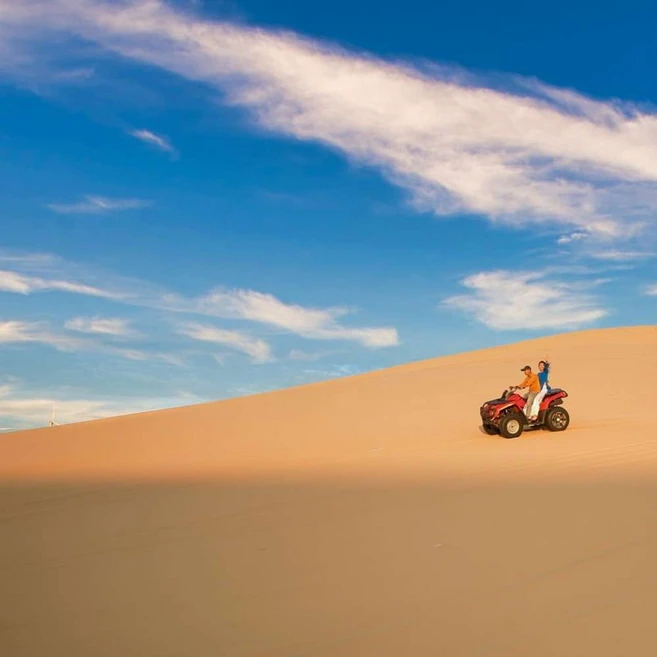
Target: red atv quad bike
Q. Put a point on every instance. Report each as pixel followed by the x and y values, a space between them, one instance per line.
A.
pixel 506 415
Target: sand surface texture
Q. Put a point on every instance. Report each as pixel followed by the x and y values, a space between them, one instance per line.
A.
pixel 363 517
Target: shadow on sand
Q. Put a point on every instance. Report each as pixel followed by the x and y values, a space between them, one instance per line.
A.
pixel 328 568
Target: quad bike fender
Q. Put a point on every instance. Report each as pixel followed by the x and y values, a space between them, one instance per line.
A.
pixel 554 399
pixel 501 409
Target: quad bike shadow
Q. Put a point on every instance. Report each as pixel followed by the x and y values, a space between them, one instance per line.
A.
pixel 505 415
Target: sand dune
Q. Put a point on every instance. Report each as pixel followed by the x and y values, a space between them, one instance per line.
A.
pixel 361 517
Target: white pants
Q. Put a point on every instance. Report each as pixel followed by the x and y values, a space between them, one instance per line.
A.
pixel 537 401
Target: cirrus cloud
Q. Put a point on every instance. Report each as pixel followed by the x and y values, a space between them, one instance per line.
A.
pixel 18 331
pixel 258 350
pixel 30 332
pixel 618 255
pixel 113 326
pixel 98 205
pixel 14 281
pixel 312 323
pixel 148 137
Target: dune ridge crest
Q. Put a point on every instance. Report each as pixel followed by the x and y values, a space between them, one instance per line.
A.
pixel 416 419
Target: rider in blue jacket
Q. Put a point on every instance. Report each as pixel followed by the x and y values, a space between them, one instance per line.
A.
pixel 543 375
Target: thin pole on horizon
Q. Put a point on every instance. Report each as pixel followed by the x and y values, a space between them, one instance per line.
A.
pixel 52 422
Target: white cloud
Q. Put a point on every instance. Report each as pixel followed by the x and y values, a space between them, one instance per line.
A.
pixel 258 350
pixel 504 300
pixel 23 332
pixel 31 260
pixel 248 305
pixel 36 411
pixel 113 326
pixel 333 372
pixel 23 409
pixel 313 323
pixel 573 237
pixel 266 308
pixel 75 75
pixel 16 331
pixel 526 153
pixel 98 205
pixel 616 255
pixel 138 355
pixel 12 281
pixel 155 140
pixel 244 391
pixel 651 290
pixel 306 356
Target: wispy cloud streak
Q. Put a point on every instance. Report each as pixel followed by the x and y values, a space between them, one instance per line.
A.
pixel 258 350
pixel 112 326
pixel 29 332
pixel 16 332
pixel 153 139
pixel 13 281
pixel 98 205
pixel 618 255
pixel 313 323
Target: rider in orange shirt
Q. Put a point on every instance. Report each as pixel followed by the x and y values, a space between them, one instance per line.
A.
pixel 534 386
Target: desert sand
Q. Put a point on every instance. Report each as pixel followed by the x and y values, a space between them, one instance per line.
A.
pixel 362 517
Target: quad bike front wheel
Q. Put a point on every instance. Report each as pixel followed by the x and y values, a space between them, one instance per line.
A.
pixel 491 429
pixel 557 419
pixel 511 425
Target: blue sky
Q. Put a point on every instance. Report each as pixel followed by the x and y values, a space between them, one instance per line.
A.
pixel 209 199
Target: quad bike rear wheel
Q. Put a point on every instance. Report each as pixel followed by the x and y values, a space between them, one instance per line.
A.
pixel 512 425
pixel 557 419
